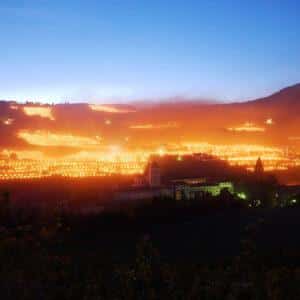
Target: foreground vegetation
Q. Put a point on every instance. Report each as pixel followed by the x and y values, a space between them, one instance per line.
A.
pixel 39 261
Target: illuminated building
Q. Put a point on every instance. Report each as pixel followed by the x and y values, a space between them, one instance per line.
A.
pixel 150 187
pixel 185 190
pixel 145 187
pixel 178 190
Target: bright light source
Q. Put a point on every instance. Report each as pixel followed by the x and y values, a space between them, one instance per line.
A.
pixel 242 195
pixel 8 121
pixel 269 121
pixel 161 151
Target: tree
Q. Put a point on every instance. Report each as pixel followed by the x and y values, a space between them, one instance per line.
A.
pixel 5 206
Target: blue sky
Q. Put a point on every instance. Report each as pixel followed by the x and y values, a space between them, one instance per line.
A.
pixel 112 51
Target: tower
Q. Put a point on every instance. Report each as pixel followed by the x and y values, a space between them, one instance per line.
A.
pixel 154 174
pixel 259 168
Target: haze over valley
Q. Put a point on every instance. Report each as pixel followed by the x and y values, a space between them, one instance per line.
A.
pixel 114 138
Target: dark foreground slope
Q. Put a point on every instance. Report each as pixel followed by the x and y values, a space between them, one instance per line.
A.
pixel 251 254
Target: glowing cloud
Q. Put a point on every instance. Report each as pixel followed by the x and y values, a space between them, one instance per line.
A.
pixel 41 111
pixel 110 109
pixel 43 138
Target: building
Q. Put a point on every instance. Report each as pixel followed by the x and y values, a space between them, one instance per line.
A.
pixel 149 187
pixel 154 176
pixel 142 193
pixel 197 189
pixel 259 168
pixel 288 195
pixel 146 187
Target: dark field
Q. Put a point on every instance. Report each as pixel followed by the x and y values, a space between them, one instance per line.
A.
pixel 228 253
pixel 198 239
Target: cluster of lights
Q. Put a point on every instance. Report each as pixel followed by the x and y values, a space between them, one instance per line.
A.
pixel 44 138
pixel 101 159
pixel 116 160
pixel 41 111
pixel 247 127
pixel 155 126
pixel 25 169
pixel 110 109
pixel 274 158
pixel 8 121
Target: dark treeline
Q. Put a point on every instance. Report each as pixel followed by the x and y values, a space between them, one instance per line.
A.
pixel 162 250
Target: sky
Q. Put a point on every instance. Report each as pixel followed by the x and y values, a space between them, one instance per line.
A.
pixel 119 50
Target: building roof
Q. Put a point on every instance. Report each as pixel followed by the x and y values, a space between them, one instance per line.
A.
pixel 144 188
